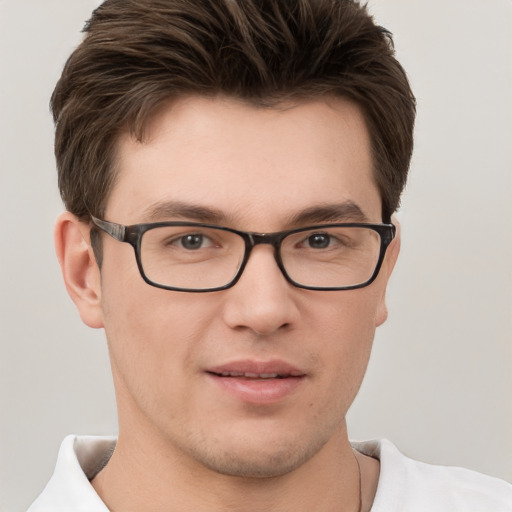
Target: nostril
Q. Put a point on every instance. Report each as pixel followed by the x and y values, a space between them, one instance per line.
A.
pixel 265 333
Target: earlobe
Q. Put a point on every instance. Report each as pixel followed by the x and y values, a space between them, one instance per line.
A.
pixel 386 270
pixel 79 269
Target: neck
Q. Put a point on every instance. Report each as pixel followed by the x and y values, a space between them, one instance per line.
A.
pixel 145 475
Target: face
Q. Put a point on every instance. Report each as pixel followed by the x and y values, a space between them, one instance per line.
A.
pixel 223 161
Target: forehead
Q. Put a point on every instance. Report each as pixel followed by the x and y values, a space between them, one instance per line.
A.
pixel 254 165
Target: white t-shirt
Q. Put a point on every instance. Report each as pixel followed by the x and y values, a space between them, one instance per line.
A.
pixel 404 485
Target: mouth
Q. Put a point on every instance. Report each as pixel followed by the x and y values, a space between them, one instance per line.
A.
pixel 257 376
pixel 257 382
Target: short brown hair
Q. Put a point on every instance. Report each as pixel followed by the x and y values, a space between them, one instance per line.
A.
pixel 136 54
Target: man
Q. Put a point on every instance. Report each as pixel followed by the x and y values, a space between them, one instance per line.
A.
pixel 252 153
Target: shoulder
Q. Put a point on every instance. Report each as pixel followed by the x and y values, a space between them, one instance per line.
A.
pixel 409 485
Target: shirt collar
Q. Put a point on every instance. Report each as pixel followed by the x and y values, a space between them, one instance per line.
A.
pixel 69 489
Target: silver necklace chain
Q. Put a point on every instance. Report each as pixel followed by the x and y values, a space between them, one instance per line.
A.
pixel 360 484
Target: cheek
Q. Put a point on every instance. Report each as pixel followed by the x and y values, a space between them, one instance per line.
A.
pixel 348 316
pixel 152 333
pixel 344 332
pixel 149 362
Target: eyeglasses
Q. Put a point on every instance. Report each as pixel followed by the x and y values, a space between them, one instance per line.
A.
pixel 196 257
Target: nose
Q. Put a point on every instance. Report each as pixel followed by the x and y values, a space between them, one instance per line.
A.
pixel 262 300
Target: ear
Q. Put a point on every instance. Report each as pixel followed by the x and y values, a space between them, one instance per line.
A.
pixel 385 272
pixel 79 269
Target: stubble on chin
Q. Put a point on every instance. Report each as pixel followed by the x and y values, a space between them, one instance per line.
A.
pixel 259 462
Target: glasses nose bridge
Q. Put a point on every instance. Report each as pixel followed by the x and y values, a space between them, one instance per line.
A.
pixel 273 239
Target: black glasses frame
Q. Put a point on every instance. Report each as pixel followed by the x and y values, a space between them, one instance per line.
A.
pixel 133 235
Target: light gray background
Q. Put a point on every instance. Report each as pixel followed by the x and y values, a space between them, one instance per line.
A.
pixel 440 380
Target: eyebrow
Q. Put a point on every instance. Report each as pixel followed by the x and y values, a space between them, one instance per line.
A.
pixel 181 210
pixel 347 211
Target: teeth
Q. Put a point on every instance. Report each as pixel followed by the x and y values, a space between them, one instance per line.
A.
pixel 249 375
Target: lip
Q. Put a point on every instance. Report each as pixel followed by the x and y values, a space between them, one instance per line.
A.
pixel 257 382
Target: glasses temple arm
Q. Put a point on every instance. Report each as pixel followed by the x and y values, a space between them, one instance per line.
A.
pixel 116 231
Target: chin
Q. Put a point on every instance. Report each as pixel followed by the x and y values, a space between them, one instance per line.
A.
pixel 261 465
pixel 265 460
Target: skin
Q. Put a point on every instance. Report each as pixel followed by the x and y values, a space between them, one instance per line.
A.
pixel 184 442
